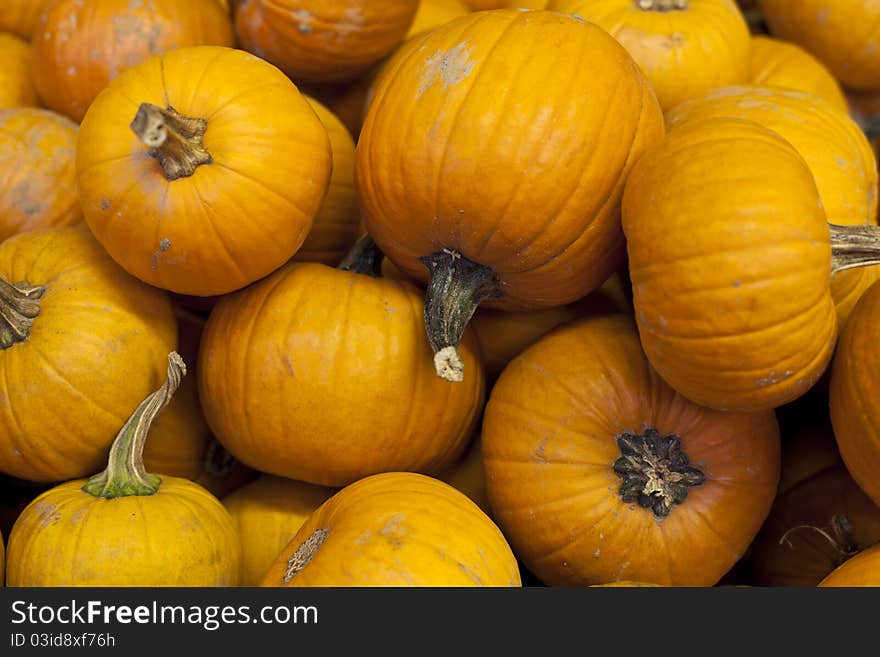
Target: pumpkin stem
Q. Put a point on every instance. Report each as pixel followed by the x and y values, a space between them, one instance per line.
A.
pixel 655 472
pixel 19 306
pixel 365 257
pixel 125 474
pixel 304 553
pixel 456 288
pixel 840 538
pixel 175 140
pixel 662 5
pixel 854 246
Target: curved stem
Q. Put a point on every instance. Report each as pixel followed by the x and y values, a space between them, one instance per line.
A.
pixel 125 474
pixel 19 306
pixel 662 5
pixel 175 140
pixel 456 288
pixel 365 257
pixel 854 246
pixel 842 541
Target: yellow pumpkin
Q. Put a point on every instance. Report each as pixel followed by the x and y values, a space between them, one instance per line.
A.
pixel 21 17
pixel 468 476
pixel 16 84
pixel 434 13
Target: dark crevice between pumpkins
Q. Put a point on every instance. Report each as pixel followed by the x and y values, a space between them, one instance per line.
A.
pixel 656 472
pixel 304 553
pixel 125 473
pixel 175 140
pixel 365 257
pixel 19 307
pixel 840 538
pixel 457 286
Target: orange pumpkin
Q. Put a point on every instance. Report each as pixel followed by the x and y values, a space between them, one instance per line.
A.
pixel 844 35
pixel 21 17
pixel 833 146
pixel 481 5
pixel 267 513
pixel 434 13
pixel 16 86
pixel 778 63
pixel 323 40
pixel 37 171
pixel 468 476
pixel 861 570
pixel 204 192
pixel 81 46
pixel 685 47
pixel 543 229
pixel 329 393
pixel 813 528
pixel 66 308
pixel 597 471
pixel 396 529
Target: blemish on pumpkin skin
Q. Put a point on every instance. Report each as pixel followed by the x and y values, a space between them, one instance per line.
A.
pixel 393 532
pixel 288 365
pixel 450 67
pixel 47 514
pixel 105 203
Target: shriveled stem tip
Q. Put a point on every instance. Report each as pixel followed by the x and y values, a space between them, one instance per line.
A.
pixel 19 307
pixel 449 365
pixel 365 257
pixel 175 140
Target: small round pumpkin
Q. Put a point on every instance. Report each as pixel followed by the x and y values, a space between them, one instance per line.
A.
pixel 202 193
pixel 597 471
pixel 778 63
pixel 37 171
pixel 66 309
pixel 832 144
pixel 16 85
pixel 543 229
pixel 685 47
pixel 396 529
pixel 861 570
pixel 21 17
pixel 81 46
pixel 267 513
pixel 434 13
pixel 125 526
pixel 323 40
pixel 324 375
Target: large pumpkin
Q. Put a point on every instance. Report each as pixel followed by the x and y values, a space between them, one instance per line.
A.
pixel 832 144
pixel 81 46
pixel 16 84
pixel 325 375
pixel 202 190
pixel 685 47
pixel 81 343
pixel 434 13
pixel 496 193
pixel 323 40
pixel 126 527
pixel 598 471
pixel 396 529
pixel 21 17
pixel 861 570
pixel 844 34
pixel 37 171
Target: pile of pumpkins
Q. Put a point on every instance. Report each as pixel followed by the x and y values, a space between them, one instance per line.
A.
pixel 439 293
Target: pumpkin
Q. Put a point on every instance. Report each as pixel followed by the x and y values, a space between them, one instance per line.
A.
pixel 481 5
pixel 730 257
pixel 543 230
pixel 346 100
pixel 836 150
pixel 205 192
pixel 330 393
pixel 21 17
pixel 843 35
pixel 778 63
pixel 810 451
pixel 2 560
pixel 82 46
pixel 812 528
pixel 623 584
pixel 467 475
pixel 323 40
pixel 16 85
pixel 685 47
pixel 396 529
pixel 597 471
pixel 337 225
pixel 66 307
pixel 861 570
pixel 267 513
pixel 855 413
pixel 434 13
pixel 125 526
pixel 37 171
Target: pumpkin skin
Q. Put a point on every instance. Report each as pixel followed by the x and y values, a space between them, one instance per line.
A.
pixel 550 451
pixel 683 52
pixel 267 513
pixel 90 310
pixel 81 46
pixel 16 86
pixel 467 475
pixel 285 400
pixel 270 153
pixel 434 13
pixel 734 307
pixel 843 35
pixel 21 17
pixel 832 144
pixel 323 40
pixel 547 221
pixel 778 63
pixel 398 529
pixel 37 171
pixel 862 570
